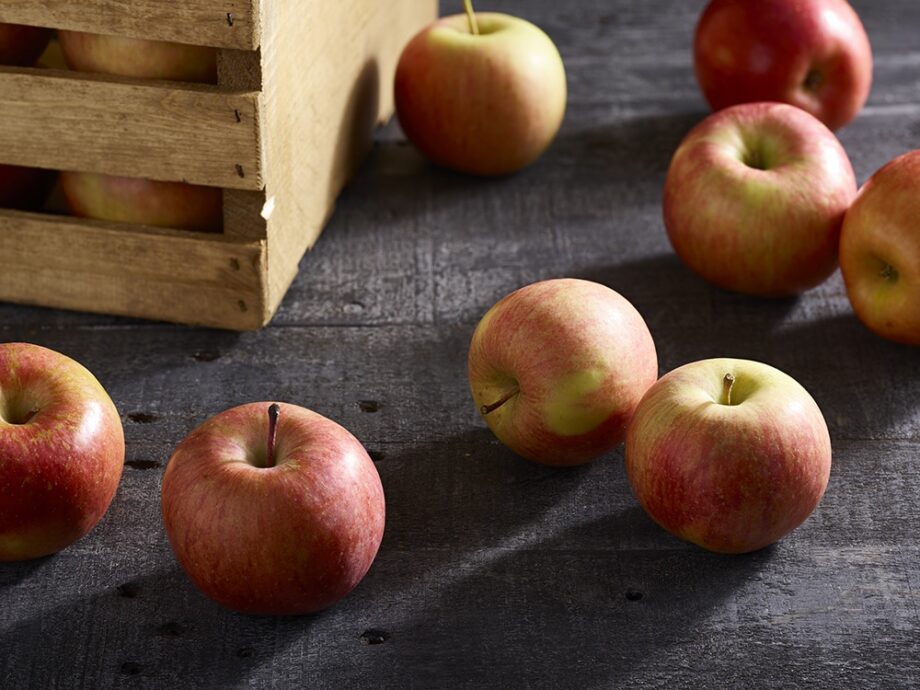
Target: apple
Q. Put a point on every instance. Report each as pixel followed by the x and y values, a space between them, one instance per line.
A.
pixel 755 198
pixel 813 54
pixel 21 45
pixel 62 450
pixel 481 93
pixel 273 509
pixel 138 58
pixel 728 454
pixel 144 202
pixel 557 368
pixel 880 251
pixel 23 188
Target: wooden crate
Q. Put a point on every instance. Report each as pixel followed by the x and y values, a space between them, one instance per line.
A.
pixel 301 87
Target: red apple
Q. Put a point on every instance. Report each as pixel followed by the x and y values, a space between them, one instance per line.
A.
pixel 62 450
pixel 557 368
pixel 755 197
pixel 273 518
pixel 880 251
pixel 144 202
pixel 486 103
pixel 813 54
pixel 142 59
pixel 728 454
pixel 21 45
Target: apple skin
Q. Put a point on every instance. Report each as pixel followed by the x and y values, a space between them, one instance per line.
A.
pixel 580 356
pixel 729 478
pixel 21 46
pixel 487 105
pixel 813 54
pixel 138 58
pixel 755 197
pixel 880 251
pixel 143 202
pixel 290 539
pixel 62 451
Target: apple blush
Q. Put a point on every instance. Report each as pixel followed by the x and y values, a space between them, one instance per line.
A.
pixel 481 93
pixel 728 454
pixel 273 509
pixel 813 54
pixel 62 451
pixel 557 368
pixel 880 251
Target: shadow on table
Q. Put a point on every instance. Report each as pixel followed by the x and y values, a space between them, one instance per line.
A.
pixel 155 628
pixel 511 597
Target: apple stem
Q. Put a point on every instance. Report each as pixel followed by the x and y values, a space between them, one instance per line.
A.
pixel 471 16
pixel 274 411
pixel 727 383
pixel 486 409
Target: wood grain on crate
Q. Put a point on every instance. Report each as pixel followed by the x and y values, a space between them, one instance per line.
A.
pixel 61 120
pixel 70 263
pixel 224 24
pixel 282 132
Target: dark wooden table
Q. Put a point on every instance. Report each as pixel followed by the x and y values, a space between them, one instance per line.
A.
pixel 495 572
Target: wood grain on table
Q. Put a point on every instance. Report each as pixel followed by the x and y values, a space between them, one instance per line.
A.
pixel 495 572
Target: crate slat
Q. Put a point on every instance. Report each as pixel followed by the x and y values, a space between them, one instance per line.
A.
pixel 67 121
pixel 126 270
pixel 223 24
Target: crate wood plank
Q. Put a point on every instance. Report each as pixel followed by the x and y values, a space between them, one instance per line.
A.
pixel 320 113
pixel 224 24
pixel 144 272
pixel 165 131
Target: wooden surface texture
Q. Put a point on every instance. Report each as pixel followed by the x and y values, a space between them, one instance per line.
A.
pixel 495 572
pixel 217 23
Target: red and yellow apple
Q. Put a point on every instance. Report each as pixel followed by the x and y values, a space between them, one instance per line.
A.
pixel 138 58
pixel 486 103
pixel 755 198
pixel 813 54
pixel 880 251
pixel 557 368
pixel 22 45
pixel 273 509
pixel 144 202
pixel 62 450
pixel 728 454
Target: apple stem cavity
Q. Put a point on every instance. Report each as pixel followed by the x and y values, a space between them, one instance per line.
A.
pixel 487 409
pixel 813 80
pixel 727 384
pixel 274 411
pixel 471 16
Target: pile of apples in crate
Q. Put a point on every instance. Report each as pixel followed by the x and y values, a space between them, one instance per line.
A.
pixel 105 197
pixel 729 454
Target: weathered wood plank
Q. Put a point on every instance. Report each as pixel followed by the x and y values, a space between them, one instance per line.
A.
pixel 225 24
pixel 92 123
pixel 90 265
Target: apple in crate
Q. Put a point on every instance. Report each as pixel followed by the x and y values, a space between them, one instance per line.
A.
pixel 557 368
pixel 22 45
pixel 755 197
pixel 273 509
pixel 481 93
pixel 813 54
pixel 138 58
pixel 728 454
pixel 62 451
pixel 143 202
pixel 880 251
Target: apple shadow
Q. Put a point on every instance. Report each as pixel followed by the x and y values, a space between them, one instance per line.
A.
pixel 13 573
pixel 584 598
pixel 126 633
